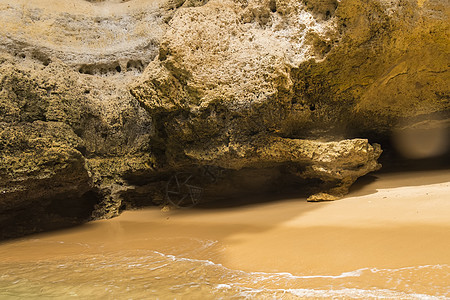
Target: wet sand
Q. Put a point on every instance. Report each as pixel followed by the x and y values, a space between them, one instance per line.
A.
pixel 388 221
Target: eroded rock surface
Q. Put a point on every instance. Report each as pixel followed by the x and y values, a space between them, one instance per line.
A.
pixel 43 179
pixel 298 70
pixel 66 136
pixel 102 101
pixel 338 164
pixel 233 77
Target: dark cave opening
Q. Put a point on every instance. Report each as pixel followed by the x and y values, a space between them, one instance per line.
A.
pixel 47 214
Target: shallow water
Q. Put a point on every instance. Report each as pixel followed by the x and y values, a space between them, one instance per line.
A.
pixel 139 274
pixel 386 240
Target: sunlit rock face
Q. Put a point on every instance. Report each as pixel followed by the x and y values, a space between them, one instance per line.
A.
pixel 299 70
pixel 94 37
pixel 101 101
pixel 232 77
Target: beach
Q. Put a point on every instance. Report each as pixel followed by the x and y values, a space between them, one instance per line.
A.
pixel 389 237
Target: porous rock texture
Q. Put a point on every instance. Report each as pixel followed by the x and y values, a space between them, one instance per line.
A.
pixel 70 128
pixel 102 101
pixel 232 77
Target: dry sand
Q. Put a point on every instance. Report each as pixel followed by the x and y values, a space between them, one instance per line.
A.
pixel 388 221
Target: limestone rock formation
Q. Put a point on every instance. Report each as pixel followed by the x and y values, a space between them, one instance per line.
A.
pixel 232 77
pixel 42 173
pixel 65 138
pixel 336 163
pixel 298 70
pixel 102 101
pixel 70 129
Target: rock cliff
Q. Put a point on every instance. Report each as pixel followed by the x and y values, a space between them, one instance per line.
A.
pixel 101 102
